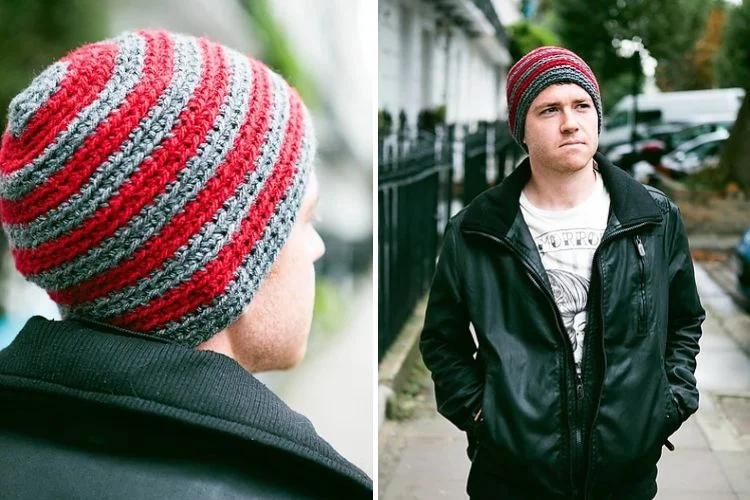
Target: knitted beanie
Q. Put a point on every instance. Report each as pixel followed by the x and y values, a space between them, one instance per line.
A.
pixel 150 180
pixel 536 71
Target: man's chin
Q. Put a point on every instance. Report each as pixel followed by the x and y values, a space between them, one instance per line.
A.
pixel 580 158
pixel 573 164
pixel 295 357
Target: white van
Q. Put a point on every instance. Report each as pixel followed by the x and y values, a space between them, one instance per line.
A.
pixel 690 107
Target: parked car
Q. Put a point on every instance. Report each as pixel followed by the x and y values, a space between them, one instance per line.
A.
pixel 688 133
pixel 694 106
pixel 694 156
pixel 742 254
pixel 655 140
pixel 649 147
pixel 624 156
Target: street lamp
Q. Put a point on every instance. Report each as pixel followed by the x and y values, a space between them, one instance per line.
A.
pixel 633 50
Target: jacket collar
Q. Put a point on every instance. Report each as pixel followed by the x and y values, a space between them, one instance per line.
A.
pixel 197 387
pixel 496 210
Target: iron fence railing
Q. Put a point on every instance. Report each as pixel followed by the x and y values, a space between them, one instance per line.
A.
pixel 422 179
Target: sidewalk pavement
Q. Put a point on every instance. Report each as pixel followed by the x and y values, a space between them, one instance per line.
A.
pixel 425 457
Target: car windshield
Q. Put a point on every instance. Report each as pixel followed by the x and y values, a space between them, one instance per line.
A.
pixel 706 149
pixel 691 133
pixel 618 120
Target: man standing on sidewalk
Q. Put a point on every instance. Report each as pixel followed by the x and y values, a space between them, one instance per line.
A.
pixel 579 286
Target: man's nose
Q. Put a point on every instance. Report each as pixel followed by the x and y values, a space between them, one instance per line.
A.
pixel 569 121
pixel 318 246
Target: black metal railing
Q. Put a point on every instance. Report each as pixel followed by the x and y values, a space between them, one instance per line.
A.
pixel 489 154
pixel 414 179
pixel 420 179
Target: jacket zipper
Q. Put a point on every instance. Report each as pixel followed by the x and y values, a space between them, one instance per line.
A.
pixel 641 255
pixel 537 280
pixel 579 426
pixel 642 262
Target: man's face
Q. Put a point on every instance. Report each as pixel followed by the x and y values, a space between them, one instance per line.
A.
pixel 272 332
pixel 562 129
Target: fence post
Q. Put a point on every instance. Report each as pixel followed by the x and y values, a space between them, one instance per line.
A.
pixel 501 149
pixel 446 161
pixel 475 163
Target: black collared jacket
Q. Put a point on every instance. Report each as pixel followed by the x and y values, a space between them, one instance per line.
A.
pixel 89 412
pixel 544 432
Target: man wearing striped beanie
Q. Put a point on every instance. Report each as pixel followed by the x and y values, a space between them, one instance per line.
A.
pixel 159 187
pixel 578 284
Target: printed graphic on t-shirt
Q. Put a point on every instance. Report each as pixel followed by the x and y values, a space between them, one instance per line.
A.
pixel 568 239
pixel 571 292
pixel 567 255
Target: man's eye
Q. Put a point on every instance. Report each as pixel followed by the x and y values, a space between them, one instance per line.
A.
pixel 584 105
pixel 547 111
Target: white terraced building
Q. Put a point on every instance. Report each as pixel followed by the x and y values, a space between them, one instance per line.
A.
pixel 444 52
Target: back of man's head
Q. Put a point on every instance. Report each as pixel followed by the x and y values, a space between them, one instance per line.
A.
pixel 149 182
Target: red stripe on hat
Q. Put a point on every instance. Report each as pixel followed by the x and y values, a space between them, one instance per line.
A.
pixel 209 282
pixel 149 180
pixel 529 59
pixel 93 64
pixel 106 140
pixel 238 162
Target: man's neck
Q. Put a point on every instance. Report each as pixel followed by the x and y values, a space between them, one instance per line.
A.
pixel 550 190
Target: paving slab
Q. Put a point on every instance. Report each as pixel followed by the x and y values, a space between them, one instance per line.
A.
pixel 692 470
pixel 736 466
pixel 692 495
pixel 689 436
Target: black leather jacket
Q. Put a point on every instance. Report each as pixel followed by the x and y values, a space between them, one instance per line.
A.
pixel 544 432
pixel 89 412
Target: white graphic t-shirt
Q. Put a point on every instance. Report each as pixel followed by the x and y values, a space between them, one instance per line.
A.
pixel 566 241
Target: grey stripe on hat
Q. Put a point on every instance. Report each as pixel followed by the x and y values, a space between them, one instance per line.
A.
pixel 190 180
pixel 198 326
pixel 120 166
pixel 204 246
pixel 127 73
pixel 559 74
pixel 533 67
pixel 24 106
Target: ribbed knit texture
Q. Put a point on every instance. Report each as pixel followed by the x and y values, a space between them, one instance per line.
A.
pixel 536 71
pixel 149 181
pixel 193 386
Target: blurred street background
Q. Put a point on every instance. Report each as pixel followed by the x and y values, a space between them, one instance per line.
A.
pixel 325 50
pixel 673 76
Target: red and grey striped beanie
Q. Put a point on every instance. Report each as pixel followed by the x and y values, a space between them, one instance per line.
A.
pixel 150 180
pixel 536 71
